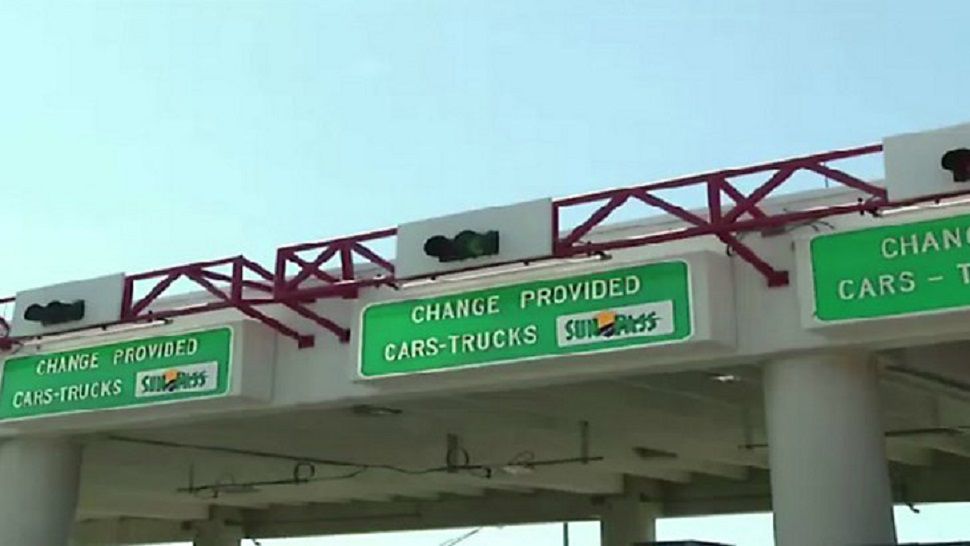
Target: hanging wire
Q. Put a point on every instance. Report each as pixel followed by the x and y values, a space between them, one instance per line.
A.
pixel 303 473
pixel 457 459
pixel 462 538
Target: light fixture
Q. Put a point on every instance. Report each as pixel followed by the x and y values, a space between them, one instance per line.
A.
pixel 518 469
pixel 520 465
pixel 367 410
pixel 724 377
pixel 650 453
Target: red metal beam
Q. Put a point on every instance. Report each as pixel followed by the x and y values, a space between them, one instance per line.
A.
pixel 297 275
pixel 725 225
pixel 341 267
pixel 247 286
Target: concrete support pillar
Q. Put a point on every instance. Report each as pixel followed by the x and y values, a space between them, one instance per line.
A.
pixel 39 481
pixel 827 451
pixel 628 520
pixel 218 531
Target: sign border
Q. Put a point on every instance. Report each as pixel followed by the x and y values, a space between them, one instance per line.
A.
pixel 358 352
pixel 807 290
pixel 228 392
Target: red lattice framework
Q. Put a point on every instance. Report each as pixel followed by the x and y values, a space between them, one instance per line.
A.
pixel 231 283
pixel 340 268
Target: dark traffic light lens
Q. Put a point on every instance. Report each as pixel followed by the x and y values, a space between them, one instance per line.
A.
pixel 957 162
pixel 55 312
pixel 466 245
pixel 440 247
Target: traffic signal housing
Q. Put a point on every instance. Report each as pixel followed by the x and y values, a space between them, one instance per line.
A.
pixel 957 161
pixel 55 312
pixel 466 245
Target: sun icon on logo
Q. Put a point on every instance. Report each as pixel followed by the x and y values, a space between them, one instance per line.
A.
pixel 605 323
pixel 171 376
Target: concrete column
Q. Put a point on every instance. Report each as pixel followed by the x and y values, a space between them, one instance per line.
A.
pixel 38 490
pixel 628 520
pixel 218 532
pixel 827 451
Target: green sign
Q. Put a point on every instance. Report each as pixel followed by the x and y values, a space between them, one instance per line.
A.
pixel 892 270
pixel 611 310
pixel 130 373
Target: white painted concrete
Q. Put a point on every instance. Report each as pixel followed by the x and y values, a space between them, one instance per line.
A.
pixel 218 532
pixel 628 520
pixel 825 434
pixel 829 472
pixel 739 319
pixel 39 481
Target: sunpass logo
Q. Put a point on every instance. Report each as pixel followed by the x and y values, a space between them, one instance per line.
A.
pixel 644 320
pixel 192 378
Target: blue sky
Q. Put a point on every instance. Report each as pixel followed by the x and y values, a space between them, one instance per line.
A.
pixel 142 134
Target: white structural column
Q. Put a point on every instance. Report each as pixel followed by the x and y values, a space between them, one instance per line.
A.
pixel 38 490
pixel 218 532
pixel 827 451
pixel 628 520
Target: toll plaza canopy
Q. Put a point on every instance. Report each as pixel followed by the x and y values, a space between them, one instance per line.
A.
pixel 789 337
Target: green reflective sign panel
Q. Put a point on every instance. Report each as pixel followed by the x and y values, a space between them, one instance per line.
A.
pixel 610 310
pixel 130 373
pixel 893 270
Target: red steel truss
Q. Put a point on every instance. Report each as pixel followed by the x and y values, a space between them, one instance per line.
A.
pixel 340 268
pixel 237 283
pixel 332 270
pixel 721 220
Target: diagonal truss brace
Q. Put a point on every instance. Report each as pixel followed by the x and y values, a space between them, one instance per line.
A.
pixel 340 268
pixel 237 282
pixel 726 221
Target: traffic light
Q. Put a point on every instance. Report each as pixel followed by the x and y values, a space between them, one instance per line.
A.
pixel 957 161
pixel 55 312
pixel 466 245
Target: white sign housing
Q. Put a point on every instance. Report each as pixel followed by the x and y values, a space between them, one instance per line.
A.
pixel 524 231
